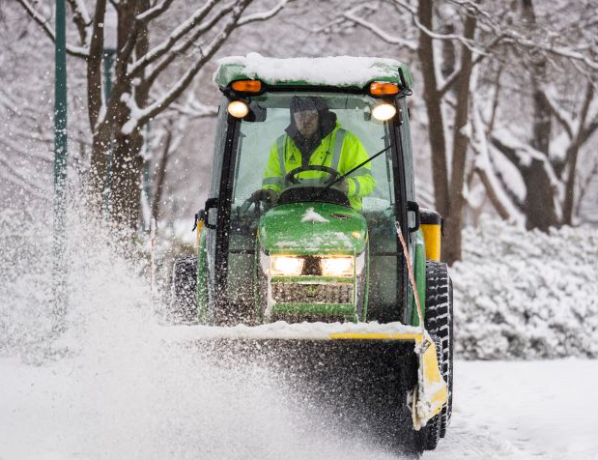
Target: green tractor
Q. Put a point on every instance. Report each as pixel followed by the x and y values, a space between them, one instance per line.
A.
pixel 312 227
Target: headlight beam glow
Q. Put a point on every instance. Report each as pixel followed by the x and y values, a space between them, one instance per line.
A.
pixel 384 111
pixel 286 266
pixel 338 266
pixel 238 109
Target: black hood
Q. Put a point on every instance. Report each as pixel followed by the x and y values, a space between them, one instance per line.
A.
pixel 326 124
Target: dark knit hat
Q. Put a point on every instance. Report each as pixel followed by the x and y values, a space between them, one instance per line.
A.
pixel 308 103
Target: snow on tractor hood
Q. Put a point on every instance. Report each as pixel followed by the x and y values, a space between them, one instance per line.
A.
pixel 313 229
pixel 338 71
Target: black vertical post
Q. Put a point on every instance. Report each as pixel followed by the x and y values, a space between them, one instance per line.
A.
pixel 60 163
pixel 109 54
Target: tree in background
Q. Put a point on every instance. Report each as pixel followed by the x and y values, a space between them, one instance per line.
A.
pixel 154 64
pixel 495 147
pixel 533 156
pixel 452 43
pixel 446 73
pixel 26 105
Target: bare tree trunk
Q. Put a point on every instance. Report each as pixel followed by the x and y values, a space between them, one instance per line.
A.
pixel 433 102
pixel 568 206
pixel 449 53
pixel 573 154
pixel 126 181
pixel 127 164
pixel 539 205
pixel 539 200
pixel 454 219
pixel 101 145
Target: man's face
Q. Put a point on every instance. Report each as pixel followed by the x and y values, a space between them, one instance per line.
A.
pixel 306 122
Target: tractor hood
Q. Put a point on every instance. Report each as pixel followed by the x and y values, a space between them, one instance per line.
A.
pixel 312 229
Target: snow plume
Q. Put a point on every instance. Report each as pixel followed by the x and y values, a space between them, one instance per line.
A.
pixel 526 295
pixel 110 388
pixel 99 281
pixel 25 274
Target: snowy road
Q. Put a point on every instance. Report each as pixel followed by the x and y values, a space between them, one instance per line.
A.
pixel 142 404
pixel 524 410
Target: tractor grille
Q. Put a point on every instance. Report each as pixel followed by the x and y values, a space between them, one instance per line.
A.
pixel 312 293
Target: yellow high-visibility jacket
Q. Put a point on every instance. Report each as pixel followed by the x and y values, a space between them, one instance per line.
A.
pixel 340 150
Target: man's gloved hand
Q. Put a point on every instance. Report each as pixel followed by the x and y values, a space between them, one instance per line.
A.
pixel 342 185
pixel 265 195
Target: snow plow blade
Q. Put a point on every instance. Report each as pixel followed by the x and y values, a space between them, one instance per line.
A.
pixel 401 356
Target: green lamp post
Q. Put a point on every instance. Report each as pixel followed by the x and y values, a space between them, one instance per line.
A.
pixel 110 46
pixel 59 274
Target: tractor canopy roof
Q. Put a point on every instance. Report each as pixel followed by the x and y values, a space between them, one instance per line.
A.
pixel 338 71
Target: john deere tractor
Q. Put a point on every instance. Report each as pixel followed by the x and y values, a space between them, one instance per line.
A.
pixel 326 238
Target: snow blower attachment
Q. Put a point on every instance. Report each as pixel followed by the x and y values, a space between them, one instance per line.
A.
pixel 311 247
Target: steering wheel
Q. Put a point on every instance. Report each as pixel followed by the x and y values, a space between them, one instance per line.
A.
pixel 293 179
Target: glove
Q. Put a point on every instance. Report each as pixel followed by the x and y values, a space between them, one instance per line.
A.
pixel 265 195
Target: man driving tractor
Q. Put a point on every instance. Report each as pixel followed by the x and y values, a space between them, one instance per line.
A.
pixel 315 138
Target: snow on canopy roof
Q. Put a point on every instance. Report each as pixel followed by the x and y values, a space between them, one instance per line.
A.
pixel 343 71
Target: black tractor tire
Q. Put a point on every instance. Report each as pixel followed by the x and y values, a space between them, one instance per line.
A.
pixel 439 324
pixel 183 290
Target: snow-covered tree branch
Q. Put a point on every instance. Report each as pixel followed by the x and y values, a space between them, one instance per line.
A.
pixel 146 56
pixel 81 52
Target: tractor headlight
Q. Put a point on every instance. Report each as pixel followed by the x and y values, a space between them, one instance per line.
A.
pixel 286 266
pixel 238 109
pixel 338 266
pixel 384 111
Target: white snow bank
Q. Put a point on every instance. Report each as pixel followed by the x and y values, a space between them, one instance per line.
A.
pixel 522 294
pixel 332 71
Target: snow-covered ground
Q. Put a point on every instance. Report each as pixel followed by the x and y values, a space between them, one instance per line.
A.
pixel 544 410
pixel 110 388
pixel 135 404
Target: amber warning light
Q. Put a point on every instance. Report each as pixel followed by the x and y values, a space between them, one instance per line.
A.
pixel 247 86
pixel 379 88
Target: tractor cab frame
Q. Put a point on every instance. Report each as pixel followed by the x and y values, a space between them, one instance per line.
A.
pixel 231 244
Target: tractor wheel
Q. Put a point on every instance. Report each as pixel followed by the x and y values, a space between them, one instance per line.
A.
pixel 447 412
pixel 183 299
pixel 439 323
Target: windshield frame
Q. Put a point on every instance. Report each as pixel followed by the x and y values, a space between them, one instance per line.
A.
pixel 262 126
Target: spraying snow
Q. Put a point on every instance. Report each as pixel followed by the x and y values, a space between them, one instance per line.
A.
pixel 112 388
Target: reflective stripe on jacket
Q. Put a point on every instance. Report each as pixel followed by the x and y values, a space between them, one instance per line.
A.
pixel 340 150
